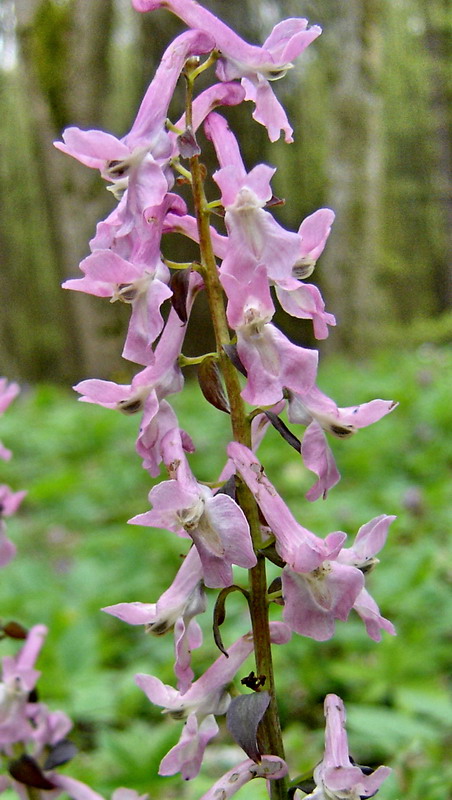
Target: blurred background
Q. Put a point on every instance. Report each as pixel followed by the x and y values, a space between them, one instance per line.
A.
pixel 370 105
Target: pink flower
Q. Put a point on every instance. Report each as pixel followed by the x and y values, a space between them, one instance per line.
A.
pixel 207 697
pixel 337 776
pixel 297 546
pixel 9 503
pixel 256 66
pixel 8 391
pixel 270 767
pixel 132 271
pixel 146 392
pixel 250 228
pixel 9 500
pixel 314 600
pixel 138 160
pixel 256 240
pixel 321 414
pixel 369 540
pixel 176 608
pixel 18 679
pixel 215 523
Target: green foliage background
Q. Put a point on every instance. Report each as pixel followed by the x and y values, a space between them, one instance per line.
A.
pixel 76 554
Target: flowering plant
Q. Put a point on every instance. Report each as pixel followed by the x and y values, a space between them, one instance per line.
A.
pixel 238 521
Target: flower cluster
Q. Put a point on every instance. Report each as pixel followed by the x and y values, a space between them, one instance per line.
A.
pixel 241 520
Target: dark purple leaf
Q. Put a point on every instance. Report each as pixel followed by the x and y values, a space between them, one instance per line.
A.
pixel 15 630
pixel 25 770
pixel 275 201
pixel 270 553
pixel 209 378
pixel 219 614
pixel 228 488
pixel 179 284
pixel 243 718
pixel 60 753
pixel 283 430
pixel 232 354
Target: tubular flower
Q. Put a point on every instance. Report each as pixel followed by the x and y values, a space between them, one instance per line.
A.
pixel 321 414
pixel 270 767
pixel 18 679
pixel 215 523
pixel 176 608
pixel 8 391
pixel 337 777
pixel 256 66
pixel 207 697
pixel 298 547
pixel 313 601
pixel 253 231
pixel 138 160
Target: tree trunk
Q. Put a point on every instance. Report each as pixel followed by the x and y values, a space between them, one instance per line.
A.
pixel 350 264
pixel 65 67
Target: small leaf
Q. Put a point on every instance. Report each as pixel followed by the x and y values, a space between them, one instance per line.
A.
pixel 283 430
pixel 243 718
pixel 270 553
pixel 26 771
pixel 219 614
pixel 275 201
pixel 228 488
pixel 209 378
pixel 276 586
pixel 179 284
pixel 232 354
pixel 15 630
pixel 304 783
pixel 60 753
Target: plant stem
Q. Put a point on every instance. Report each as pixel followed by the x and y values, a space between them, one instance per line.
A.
pixel 270 739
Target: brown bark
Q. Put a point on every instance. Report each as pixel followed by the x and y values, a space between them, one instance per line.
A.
pixel 350 264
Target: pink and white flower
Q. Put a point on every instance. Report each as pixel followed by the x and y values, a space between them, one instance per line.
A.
pixel 337 777
pixel 255 66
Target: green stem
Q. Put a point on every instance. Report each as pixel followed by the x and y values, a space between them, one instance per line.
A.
pixel 270 738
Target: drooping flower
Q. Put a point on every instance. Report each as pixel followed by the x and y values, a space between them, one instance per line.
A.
pixel 133 272
pixel 314 601
pixel 256 240
pixel 206 698
pixel 176 608
pixel 337 777
pixel 320 413
pixel 296 545
pixel 139 160
pixel 270 768
pixel 18 679
pixel 9 503
pixel 215 523
pixel 147 391
pixel 256 66
pixel 8 391
pixel 271 360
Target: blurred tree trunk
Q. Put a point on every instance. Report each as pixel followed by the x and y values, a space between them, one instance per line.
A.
pixel 350 264
pixel 438 38
pixel 64 63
